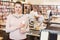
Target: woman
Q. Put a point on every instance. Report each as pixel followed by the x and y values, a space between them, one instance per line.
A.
pixel 33 13
pixel 40 17
pixel 17 24
pixel 41 20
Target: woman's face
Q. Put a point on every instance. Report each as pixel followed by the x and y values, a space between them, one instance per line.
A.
pixel 35 9
pixel 39 13
pixel 18 8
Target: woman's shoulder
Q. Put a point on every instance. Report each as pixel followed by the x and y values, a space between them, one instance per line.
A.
pixel 25 16
pixel 42 16
pixel 9 16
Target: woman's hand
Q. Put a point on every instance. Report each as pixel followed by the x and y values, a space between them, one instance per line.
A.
pixel 22 25
pixel 23 31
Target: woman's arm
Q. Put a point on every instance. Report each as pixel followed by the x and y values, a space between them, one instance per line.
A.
pixel 25 29
pixel 10 28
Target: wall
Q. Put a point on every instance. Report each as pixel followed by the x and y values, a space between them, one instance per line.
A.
pixel 44 2
pixel 33 1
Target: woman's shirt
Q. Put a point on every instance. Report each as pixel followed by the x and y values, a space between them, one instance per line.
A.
pixel 33 15
pixel 41 19
pixel 13 21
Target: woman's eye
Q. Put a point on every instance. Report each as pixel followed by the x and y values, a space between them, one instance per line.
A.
pixel 18 7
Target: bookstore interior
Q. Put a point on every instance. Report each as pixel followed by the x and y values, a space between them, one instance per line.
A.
pixel 43 20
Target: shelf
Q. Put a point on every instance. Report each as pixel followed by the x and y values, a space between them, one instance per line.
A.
pixel 3 29
pixel 6 8
pixel 1 38
pixel 33 34
pixel 52 31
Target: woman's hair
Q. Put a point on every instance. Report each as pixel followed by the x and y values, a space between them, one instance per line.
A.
pixel 40 12
pixel 18 3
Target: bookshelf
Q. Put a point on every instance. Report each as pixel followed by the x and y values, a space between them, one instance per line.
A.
pixel 6 8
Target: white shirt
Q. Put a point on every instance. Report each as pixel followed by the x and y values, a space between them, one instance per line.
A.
pixel 48 13
pixel 33 14
pixel 41 20
pixel 13 21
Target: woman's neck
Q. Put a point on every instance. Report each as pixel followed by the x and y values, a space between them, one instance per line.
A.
pixel 18 13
